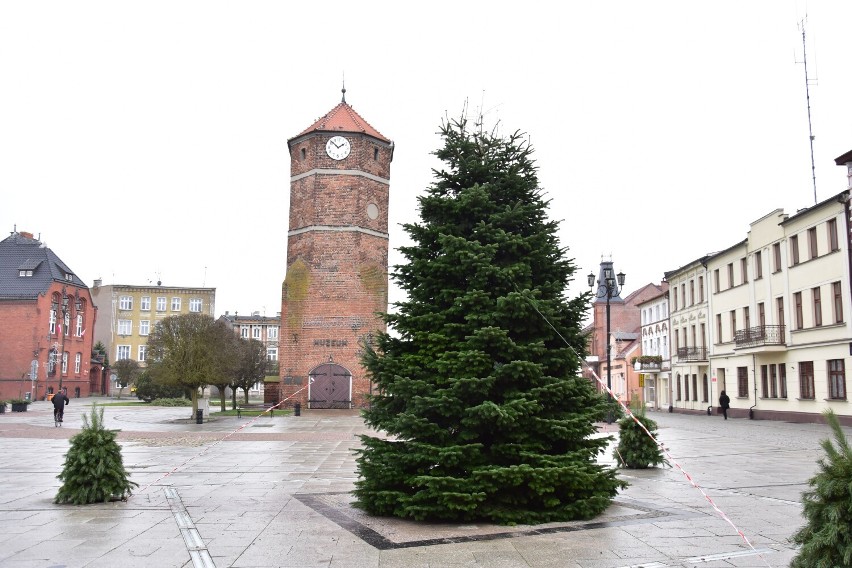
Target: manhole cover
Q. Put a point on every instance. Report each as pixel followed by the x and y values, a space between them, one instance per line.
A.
pixel 261 425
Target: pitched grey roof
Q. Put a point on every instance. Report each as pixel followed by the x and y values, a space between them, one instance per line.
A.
pixel 20 251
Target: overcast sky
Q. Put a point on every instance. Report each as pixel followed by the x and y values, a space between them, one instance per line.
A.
pixel 147 141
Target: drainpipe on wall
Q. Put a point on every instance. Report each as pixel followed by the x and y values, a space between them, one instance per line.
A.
pixel 754 374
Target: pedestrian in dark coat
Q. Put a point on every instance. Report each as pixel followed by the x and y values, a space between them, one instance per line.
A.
pixel 725 403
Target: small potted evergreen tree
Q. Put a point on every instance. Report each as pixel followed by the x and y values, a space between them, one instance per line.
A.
pixel 94 471
pixel 636 449
pixel 826 538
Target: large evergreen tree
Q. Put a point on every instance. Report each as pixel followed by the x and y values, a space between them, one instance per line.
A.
pixel 478 387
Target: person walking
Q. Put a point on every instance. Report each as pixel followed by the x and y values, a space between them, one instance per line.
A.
pixel 59 400
pixel 725 403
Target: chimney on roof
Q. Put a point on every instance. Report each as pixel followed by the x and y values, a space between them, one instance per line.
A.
pixel 97 283
pixel 26 234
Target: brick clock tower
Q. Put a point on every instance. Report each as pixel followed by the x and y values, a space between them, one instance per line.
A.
pixel 337 259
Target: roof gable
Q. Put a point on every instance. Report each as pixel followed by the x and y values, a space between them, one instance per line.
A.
pixel 21 252
pixel 342 118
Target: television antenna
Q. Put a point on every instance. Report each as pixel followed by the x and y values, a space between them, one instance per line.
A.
pixel 808 99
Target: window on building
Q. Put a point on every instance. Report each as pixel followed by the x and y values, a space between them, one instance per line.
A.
pixel 695 388
pixel 78 326
pixel 794 249
pixel 776 253
pixel 692 292
pixel 758 265
pixel 144 327
pixel 764 381
pixel 836 379
pixel 703 335
pixel 143 353
pixel 677 340
pixel 271 353
pixel 743 270
pixel 78 361
pixel 806 380
pixel 145 303
pixel 705 389
pixel 686 387
pixel 674 297
pixel 678 387
pixel 761 314
pixel 25 273
pixel 66 325
pixel 176 304
pixel 125 327
pixel 195 305
pixel 730 275
pixel 742 381
pixel 733 324
pixel 817 306
pixel 122 352
pixel 272 332
pixel 717 286
pixel 65 363
pixel 244 331
pixel 800 317
pixel 52 322
pixel 773 381
pixel 256 332
pixel 683 295
pixel 701 289
pixel 161 303
pixel 838 302
pixel 779 308
pixel 746 318
pixel 831 227
pixel 718 328
pixel 812 243
pixel 782 381
pixel 125 302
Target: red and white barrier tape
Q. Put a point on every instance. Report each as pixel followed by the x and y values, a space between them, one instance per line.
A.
pixel 222 439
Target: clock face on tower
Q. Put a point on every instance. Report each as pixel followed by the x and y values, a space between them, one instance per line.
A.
pixel 337 147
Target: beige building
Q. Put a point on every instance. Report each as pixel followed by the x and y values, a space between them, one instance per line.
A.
pixel 782 317
pixel 127 314
pixel 691 385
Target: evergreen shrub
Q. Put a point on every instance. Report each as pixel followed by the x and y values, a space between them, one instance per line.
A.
pixel 94 470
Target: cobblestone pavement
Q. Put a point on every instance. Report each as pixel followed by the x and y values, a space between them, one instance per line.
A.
pixel 274 491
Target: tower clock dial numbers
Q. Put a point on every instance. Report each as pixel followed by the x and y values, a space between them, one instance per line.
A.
pixel 337 147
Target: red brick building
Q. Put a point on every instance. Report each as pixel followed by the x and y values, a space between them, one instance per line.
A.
pixel 46 324
pixel 337 257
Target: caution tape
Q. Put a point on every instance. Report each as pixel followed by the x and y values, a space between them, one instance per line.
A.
pixel 222 439
pixel 660 445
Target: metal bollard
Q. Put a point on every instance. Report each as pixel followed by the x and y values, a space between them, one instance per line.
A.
pixel 297 409
pixel 199 416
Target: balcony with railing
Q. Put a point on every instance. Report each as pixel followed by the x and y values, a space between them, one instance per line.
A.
pixel 648 363
pixel 692 353
pixel 760 336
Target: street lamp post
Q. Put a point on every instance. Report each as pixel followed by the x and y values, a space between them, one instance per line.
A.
pixel 66 322
pixel 611 286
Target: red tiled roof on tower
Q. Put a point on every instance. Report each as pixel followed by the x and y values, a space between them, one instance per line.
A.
pixel 343 118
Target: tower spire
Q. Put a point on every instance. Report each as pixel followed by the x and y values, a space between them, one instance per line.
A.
pixel 343 90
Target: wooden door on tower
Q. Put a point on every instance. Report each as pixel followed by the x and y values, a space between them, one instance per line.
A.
pixel 330 387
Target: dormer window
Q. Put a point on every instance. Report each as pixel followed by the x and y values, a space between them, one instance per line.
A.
pixel 26 269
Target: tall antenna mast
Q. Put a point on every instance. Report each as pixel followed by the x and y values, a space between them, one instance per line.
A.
pixel 808 97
